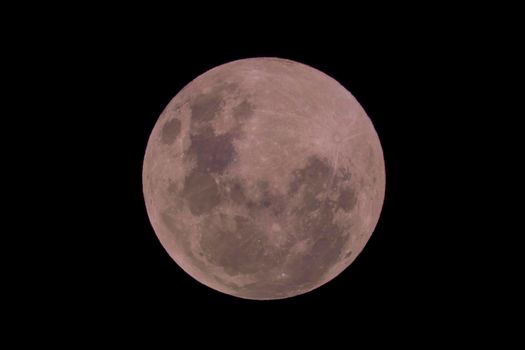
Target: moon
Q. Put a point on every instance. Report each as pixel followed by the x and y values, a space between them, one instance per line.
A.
pixel 263 178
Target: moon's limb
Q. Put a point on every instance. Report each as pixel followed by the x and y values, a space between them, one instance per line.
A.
pixel 264 178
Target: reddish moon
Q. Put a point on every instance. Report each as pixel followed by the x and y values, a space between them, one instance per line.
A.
pixel 263 178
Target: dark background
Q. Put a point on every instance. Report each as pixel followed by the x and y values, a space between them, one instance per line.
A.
pixel 94 88
pixel 397 270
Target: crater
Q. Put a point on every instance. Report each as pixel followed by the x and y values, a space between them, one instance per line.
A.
pixel 205 107
pixel 302 270
pixel 169 222
pixel 265 289
pixel 237 193
pixel 313 176
pixel 180 234
pixel 242 249
pixel 230 88
pixel 309 203
pixel 316 224
pixel 344 174
pixel 170 131
pixel 308 268
pixel 309 186
pixel 213 153
pixel 200 192
pixel 274 204
pixel 174 226
pixel 243 111
pixel 347 199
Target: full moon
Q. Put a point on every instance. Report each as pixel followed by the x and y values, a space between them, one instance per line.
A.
pixel 263 178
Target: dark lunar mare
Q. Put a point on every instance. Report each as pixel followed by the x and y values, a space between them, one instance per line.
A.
pixel 212 153
pixel 247 250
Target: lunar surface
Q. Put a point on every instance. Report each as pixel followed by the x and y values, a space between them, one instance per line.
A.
pixel 263 178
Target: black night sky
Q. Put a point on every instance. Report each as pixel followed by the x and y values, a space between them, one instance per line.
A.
pixel 390 81
pixel 103 87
